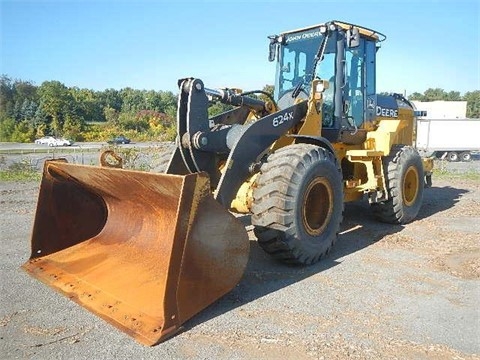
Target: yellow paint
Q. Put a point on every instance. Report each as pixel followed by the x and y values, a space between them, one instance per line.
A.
pixel 244 199
pixel 427 165
pixel 312 125
pixel 411 182
pixel 352 195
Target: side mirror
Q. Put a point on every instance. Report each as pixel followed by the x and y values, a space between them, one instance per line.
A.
pixel 353 37
pixel 272 48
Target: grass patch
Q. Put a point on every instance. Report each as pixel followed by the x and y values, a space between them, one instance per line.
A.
pixel 445 174
pixel 7 175
pixel 19 171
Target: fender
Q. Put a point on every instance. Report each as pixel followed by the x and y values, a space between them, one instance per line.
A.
pixel 314 140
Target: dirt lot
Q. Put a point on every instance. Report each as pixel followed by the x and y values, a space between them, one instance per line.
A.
pixel 386 292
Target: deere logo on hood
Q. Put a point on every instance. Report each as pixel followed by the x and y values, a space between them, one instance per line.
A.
pixel 386 106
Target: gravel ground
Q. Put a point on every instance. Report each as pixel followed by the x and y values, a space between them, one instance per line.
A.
pixel 390 292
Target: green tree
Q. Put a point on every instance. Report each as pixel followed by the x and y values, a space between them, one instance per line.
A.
pixel 130 121
pixel 218 108
pixel 453 96
pixel 473 103
pixel 7 127
pixel 111 98
pixel 18 99
pixel 132 100
pixel 55 102
pixel 169 105
pixel 270 89
pixel 87 104
pixel 72 127
pixel 434 94
pixel 7 92
pixel 23 132
pixel 28 110
pixel 416 96
pixel 17 108
pixel 153 100
pixel 111 115
pixel 25 90
pixel 40 119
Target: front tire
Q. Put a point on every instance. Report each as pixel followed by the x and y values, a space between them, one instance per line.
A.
pixel 403 171
pixel 298 204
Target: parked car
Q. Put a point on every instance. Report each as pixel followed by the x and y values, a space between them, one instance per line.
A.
pixel 60 142
pixel 51 141
pixel 45 140
pixel 119 140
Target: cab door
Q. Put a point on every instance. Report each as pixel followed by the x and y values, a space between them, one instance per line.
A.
pixel 360 83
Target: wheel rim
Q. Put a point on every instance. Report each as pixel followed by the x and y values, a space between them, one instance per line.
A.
pixel 453 156
pixel 317 206
pixel 410 186
pixel 466 157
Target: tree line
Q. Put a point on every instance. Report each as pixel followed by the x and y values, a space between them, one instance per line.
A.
pixel 471 97
pixel 28 111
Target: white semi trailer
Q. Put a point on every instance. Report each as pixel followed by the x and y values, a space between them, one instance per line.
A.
pixel 453 139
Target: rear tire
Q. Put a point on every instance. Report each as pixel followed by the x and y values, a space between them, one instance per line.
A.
pixel 466 156
pixel 452 156
pixel 298 204
pixel 404 177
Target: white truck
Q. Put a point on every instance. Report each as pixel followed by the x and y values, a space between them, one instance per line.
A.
pixel 453 139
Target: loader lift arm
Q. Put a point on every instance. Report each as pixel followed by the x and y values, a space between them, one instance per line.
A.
pixel 201 142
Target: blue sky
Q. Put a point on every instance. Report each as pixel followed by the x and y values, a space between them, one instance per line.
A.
pixel 151 44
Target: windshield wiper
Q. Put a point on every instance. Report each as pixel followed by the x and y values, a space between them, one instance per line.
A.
pixel 320 54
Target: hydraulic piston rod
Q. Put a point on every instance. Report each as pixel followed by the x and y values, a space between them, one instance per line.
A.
pixel 227 96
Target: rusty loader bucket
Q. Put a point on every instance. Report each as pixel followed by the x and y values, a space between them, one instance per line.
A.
pixel 143 251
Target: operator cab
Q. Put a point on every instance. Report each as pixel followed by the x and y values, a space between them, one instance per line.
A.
pixel 343 54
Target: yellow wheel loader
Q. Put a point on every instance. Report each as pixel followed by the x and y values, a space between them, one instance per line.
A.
pixel 147 251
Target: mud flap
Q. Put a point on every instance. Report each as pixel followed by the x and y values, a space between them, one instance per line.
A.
pixel 143 251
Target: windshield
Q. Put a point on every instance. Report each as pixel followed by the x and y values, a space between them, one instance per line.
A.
pixel 296 61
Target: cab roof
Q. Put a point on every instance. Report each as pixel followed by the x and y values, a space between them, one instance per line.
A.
pixel 366 32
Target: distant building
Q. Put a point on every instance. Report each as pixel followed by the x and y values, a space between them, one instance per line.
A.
pixel 441 109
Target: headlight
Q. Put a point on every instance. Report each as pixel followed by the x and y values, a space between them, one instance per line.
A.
pixel 320 87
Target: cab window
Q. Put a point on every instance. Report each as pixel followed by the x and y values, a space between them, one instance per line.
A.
pixel 355 60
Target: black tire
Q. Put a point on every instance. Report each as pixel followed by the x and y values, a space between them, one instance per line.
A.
pixel 298 204
pixel 404 177
pixel 452 156
pixel 466 156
